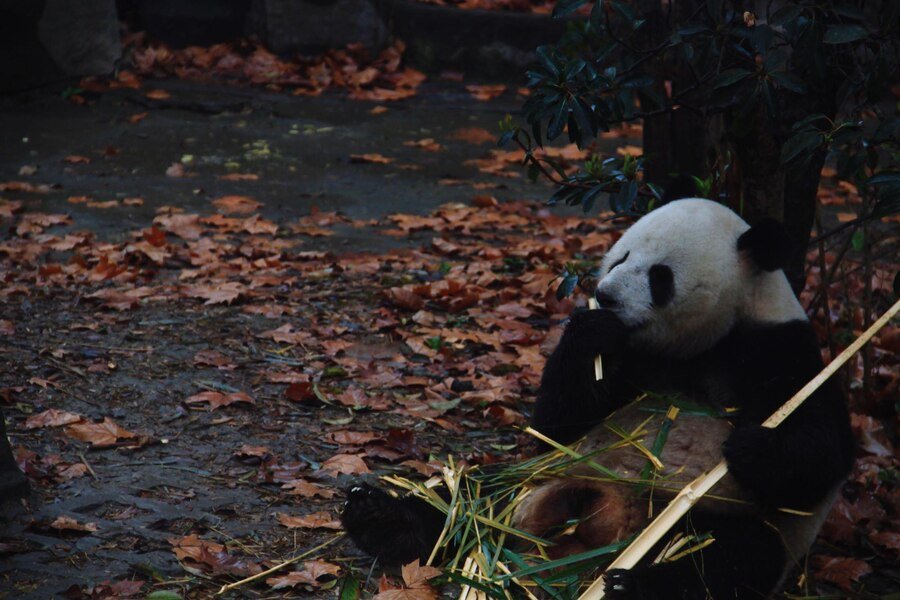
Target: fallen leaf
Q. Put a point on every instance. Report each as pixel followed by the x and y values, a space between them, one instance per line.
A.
pixel 347 464
pixel 74 159
pixel 317 520
pixel 842 571
pixel 100 435
pixel 218 399
pixel 370 158
pixel 51 417
pixel 474 135
pixel 70 524
pixel 486 92
pixel 158 94
pixel 236 205
pixel 306 489
pixel 309 574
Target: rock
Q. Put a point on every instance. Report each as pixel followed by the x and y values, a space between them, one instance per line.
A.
pixel 315 25
pixel 182 23
pixel 81 36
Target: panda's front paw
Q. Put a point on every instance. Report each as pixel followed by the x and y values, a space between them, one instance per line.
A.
pixel 619 585
pixel 751 452
pixel 593 332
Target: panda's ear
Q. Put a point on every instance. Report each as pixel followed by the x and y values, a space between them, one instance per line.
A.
pixel 767 244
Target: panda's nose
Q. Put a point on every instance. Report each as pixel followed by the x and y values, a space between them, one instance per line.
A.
pixel 605 300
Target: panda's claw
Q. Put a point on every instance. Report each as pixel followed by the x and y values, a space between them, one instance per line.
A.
pixel 619 584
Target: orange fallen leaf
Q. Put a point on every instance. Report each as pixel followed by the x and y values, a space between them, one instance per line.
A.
pixel 219 293
pixel 372 157
pixel 347 464
pixel 51 417
pixel 309 574
pixel 218 399
pixel 70 524
pixel 486 92
pixel 74 159
pixel 317 520
pixel 474 135
pixel 236 205
pixel 158 95
pixel 100 435
pixel 137 118
pixel 239 177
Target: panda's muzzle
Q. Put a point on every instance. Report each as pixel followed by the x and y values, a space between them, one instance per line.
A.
pixel 605 300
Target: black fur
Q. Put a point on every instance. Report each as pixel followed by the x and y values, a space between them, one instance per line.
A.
pixel 768 245
pixel 755 368
pixel 744 563
pixel 395 530
pixel 662 285
pixel 568 404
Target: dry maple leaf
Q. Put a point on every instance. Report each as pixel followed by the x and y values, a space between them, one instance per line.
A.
pixel 239 177
pixel 220 293
pixel 474 135
pixel 416 587
pixel 842 571
pixel 316 520
pixel 347 464
pixel 218 399
pixel 486 92
pixel 213 358
pixel 100 435
pixel 175 170
pixel 74 159
pixel 302 487
pixel 158 94
pixel 51 417
pixel 426 144
pixel 370 158
pixel 236 205
pixel 187 227
pixel 248 451
pixel 309 574
pixel 211 557
pixel 257 224
pixel 70 524
pixel 286 335
pixel 404 298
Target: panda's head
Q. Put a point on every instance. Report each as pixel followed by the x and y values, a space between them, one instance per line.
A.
pixel 685 274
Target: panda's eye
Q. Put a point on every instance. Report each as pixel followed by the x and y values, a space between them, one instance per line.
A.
pixel 619 262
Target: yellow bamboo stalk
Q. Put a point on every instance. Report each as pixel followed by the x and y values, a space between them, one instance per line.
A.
pixel 598 363
pixel 691 493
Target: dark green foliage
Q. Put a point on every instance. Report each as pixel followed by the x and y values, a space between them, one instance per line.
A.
pixel 815 75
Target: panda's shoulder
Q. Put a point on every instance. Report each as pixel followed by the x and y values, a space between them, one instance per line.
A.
pixel 791 343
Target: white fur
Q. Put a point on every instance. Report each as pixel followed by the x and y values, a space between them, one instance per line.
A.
pixel 715 287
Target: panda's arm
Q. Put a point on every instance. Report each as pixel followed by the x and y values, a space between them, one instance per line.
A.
pixel 797 463
pixel 570 401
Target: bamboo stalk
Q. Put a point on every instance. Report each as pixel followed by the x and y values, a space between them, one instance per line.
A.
pixel 279 566
pixel 691 493
pixel 598 363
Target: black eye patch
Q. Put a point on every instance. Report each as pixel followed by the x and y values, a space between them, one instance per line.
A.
pixel 662 285
pixel 619 262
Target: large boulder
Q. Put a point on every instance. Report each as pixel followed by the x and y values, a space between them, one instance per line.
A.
pixel 81 36
pixel 315 25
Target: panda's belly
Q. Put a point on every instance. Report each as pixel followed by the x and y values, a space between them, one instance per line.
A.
pixel 610 509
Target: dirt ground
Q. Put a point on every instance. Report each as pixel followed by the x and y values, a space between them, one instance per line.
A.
pixel 203 354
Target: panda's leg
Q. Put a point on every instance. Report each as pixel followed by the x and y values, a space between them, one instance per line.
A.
pixel 746 561
pixel 394 530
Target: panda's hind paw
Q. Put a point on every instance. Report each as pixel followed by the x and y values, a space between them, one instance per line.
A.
pixel 619 585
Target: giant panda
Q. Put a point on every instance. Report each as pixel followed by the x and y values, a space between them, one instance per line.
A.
pixel 693 301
